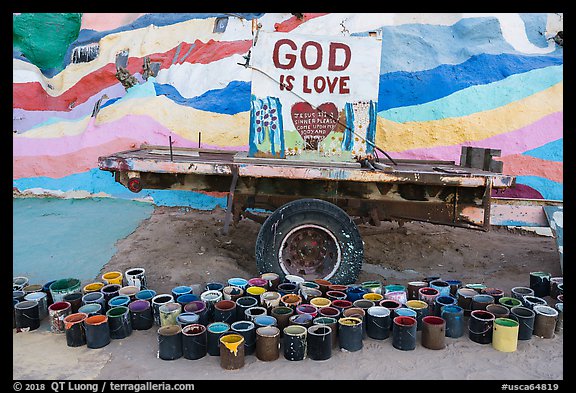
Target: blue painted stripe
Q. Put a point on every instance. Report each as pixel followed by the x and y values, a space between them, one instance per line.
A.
pixel 96 180
pixel 479 98
pixel 535 25
pixel 232 99
pixel 548 188
pixel 552 151
pixel 398 89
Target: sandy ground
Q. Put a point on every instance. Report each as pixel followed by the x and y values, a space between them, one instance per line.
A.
pixel 184 247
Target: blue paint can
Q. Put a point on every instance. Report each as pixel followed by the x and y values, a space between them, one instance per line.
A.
pixel 454 317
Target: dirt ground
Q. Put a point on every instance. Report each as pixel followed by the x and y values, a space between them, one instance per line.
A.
pixel 184 247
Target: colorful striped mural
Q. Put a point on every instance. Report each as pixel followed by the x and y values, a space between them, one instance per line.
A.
pixel 446 81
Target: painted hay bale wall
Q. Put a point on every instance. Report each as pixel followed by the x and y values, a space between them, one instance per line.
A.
pixel 446 81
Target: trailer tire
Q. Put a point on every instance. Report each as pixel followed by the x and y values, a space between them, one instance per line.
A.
pixel 313 239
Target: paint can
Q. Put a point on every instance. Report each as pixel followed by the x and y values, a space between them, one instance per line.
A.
pixel 554 290
pixel 378 322
pixel 31 288
pixel 225 311
pixel 198 307
pixel 545 321
pixel 257 282
pixel 378 297
pixel 46 290
pixel 95 298
pixel 464 297
pixel 255 292
pixel 442 301
pixel 454 317
pixel 264 320
pixel 341 304
pixel 270 299
pixel 64 286
pixel 294 342
pixel 319 342
pixel 170 342
pixel 350 334
pixel 194 341
pixel 441 286
pixel 18 295
pixel 168 313
pixel 129 290
pixel 210 298
pixel 531 301
pixel 238 282
pixel 363 304
pixel 373 286
pixel 186 298
pixel 477 287
pixel 329 311
pixel 357 312
pixel 75 300
pixel 405 312
pixel 91 309
pixel 41 298
pixel 309 294
pixel 428 295
pixel 246 329
pixel 479 302
pixel 252 312
pixel 136 276
pixel 157 302
pixel 272 280
pixel 213 332
pixel 141 315
pixel 333 323
pixel 525 318
pixel 19 282
pixel 109 291
pixel 455 285
pixel 74 327
pixel 294 279
pixel 214 286
pixel 232 351
pixel 520 292
pixel 56 314
pixel 505 334
pixel 180 290
pixel 420 307
pixel 324 284
pixel 496 293
pixel 187 318
pixel 433 332
pixel 510 302
pixel 112 278
pixel 97 331
pixel 27 315
pixel 560 297
pixel 267 343
pixel 309 285
pixel 282 315
pixel 231 292
pixel 14 303
pixel 146 294
pixel 354 292
pixel 391 305
pixel 429 279
pixel 498 310
pixel 307 309
pixel 119 321
pixel 540 283
pixel 480 326
pixel 120 300
pixel 399 296
pixel 413 288
pixel 404 333
pixel 301 319
pixel 242 304
pixel 92 287
pixel 291 300
pixel 336 295
pixel 560 321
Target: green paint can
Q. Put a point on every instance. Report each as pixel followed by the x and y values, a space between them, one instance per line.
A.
pixel 63 287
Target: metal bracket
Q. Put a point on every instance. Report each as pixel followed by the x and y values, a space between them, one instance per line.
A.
pixel 228 216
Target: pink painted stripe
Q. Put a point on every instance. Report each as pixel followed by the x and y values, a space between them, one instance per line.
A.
pixel 521 165
pixel 108 21
pixel 147 130
pixel 545 130
pixel 293 22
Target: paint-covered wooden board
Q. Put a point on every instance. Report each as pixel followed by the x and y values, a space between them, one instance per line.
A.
pixel 555 216
pixel 243 158
pixel 175 153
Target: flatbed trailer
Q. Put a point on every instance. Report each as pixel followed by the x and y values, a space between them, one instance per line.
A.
pixel 309 210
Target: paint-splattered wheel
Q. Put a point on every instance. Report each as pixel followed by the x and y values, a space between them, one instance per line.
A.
pixel 313 239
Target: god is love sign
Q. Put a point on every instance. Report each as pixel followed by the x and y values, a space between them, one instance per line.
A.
pixel 313 97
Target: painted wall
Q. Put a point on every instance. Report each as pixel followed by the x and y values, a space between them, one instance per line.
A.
pixel 446 80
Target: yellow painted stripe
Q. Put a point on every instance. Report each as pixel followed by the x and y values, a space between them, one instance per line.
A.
pixel 396 137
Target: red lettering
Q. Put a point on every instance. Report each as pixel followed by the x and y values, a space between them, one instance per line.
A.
pixel 319 84
pixel 344 89
pixel 334 46
pixel 290 57
pixel 331 83
pixel 305 87
pixel 304 56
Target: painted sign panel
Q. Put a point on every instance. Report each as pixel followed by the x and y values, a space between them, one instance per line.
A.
pixel 313 97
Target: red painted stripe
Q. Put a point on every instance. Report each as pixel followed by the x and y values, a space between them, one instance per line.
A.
pixel 32 96
pixel 292 23
pixel 524 165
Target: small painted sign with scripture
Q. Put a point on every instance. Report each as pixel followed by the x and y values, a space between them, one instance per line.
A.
pixel 313 97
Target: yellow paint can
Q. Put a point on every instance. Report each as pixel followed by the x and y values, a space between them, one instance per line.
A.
pixel 505 334
pixel 112 278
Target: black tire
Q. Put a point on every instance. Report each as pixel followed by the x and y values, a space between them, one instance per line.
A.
pixel 321 238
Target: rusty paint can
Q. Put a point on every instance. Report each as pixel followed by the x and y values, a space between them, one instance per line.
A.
pixel 465 296
pixel 498 310
pixel 267 343
pixel 324 284
pixel 57 312
pixel 560 321
pixel 282 315
pixel 545 321
pixel 231 351
pixel 433 332
pixel 413 288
